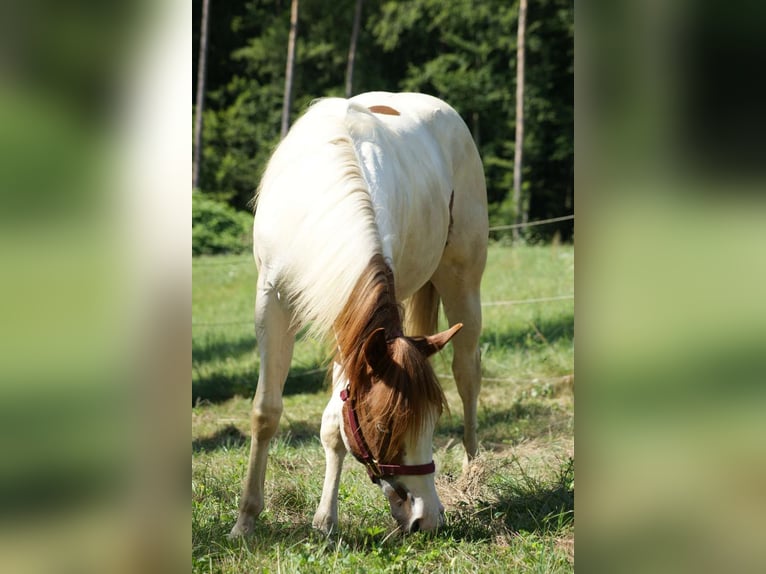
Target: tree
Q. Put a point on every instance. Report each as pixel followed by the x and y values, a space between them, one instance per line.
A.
pixel 289 67
pixel 463 51
pixel 352 48
pixel 517 155
pixel 200 106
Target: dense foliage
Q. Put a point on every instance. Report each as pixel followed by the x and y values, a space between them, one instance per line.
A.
pixel 218 227
pixel 463 51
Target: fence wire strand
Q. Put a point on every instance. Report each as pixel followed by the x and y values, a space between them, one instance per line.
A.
pixel 531 223
pixel 484 304
pixel 495 228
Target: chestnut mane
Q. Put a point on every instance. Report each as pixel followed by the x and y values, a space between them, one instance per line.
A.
pixel 399 400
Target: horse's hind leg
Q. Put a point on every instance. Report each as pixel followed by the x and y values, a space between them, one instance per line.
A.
pixel 275 346
pixel 462 304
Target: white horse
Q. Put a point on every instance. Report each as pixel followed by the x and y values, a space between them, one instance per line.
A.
pixel 369 207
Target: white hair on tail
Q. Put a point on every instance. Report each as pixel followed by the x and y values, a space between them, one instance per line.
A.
pixel 314 229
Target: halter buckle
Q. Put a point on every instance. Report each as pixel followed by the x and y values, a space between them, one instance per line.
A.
pixel 373 470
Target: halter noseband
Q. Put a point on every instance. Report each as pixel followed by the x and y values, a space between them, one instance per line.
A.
pixel 375 470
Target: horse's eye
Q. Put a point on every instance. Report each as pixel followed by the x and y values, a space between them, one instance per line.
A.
pixel 401 492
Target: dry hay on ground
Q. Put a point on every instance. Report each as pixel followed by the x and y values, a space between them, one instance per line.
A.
pixel 471 485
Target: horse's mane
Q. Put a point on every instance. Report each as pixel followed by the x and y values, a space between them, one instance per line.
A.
pixel 314 209
pixel 401 399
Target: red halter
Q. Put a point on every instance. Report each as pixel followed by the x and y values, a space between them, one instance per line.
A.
pixel 375 470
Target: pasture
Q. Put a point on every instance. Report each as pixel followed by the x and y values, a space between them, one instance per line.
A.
pixel 514 510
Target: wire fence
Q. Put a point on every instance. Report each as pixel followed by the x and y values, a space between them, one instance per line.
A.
pixel 527 301
pixel 484 304
pixel 531 223
pixel 248 259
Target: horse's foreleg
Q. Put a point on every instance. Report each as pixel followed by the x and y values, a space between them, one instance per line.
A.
pixel 275 346
pixel 326 516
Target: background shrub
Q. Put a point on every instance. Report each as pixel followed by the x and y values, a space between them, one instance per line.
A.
pixel 218 227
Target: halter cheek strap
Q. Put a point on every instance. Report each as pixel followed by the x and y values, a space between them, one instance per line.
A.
pixel 375 470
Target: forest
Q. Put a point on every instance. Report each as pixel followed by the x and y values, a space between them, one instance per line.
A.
pixel 463 51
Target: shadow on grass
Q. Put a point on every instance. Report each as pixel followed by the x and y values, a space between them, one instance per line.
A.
pixel 294 434
pixel 525 419
pixel 216 383
pixel 532 334
pixel 219 386
pixel 206 349
pixel 307 379
pixel 539 511
pixel 227 437
pixel 298 433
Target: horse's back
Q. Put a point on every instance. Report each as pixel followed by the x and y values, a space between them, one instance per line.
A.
pixel 397 174
pixel 430 193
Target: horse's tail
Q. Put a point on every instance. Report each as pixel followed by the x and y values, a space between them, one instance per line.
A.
pixel 421 311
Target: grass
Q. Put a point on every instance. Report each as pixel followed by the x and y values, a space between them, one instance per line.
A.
pixel 514 510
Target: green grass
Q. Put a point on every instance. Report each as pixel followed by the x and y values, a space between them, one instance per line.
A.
pixel 514 511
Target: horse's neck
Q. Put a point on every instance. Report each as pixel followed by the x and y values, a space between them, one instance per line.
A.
pixel 378 301
pixel 372 305
pixel 385 312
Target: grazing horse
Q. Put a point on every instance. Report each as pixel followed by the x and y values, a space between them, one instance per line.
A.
pixel 371 211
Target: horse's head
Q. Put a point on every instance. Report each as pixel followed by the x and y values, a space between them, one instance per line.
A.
pixel 389 423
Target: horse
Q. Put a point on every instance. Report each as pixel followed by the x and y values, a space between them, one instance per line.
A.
pixel 371 211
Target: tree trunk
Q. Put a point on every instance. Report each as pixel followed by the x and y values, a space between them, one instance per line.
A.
pixel 352 49
pixel 517 159
pixel 289 67
pixel 200 99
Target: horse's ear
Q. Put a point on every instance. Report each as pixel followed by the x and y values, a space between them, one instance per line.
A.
pixel 376 352
pixel 434 343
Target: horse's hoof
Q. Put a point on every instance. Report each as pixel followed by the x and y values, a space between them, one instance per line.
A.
pixel 324 524
pixel 242 528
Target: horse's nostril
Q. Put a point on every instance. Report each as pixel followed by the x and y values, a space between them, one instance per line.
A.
pixel 415 526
